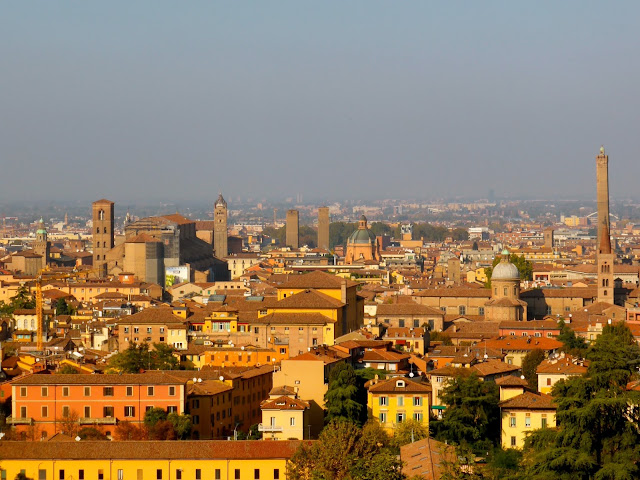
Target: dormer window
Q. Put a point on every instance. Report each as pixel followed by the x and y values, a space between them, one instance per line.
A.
pixel 400 383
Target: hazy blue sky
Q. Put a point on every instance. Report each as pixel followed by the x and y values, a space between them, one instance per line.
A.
pixel 179 100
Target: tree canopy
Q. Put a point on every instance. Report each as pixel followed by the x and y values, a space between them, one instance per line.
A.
pixel 344 450
pixel 472 416
pixel 597 435
pixel 139 357
pixel 341 397
pixel 22 299
pixel 529 366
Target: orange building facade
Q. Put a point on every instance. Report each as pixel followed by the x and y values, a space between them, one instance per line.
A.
pixel 47 402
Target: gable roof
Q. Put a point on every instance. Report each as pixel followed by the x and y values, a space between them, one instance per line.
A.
pixel 316 279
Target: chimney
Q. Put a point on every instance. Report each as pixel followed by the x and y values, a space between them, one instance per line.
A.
pixel 343 290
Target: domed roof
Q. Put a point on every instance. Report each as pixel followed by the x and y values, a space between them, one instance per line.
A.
pixel 41 227
pixel 362 235
pixel 505 270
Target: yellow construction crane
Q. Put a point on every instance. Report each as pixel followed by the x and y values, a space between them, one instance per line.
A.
pixel 40 300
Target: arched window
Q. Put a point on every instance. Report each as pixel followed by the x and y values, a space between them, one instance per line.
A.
pixel 101 215
pixel 505 291
pixel 105 229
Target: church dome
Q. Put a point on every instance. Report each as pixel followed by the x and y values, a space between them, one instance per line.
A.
pixel 362 235
pixel 41 227
pixel 505 270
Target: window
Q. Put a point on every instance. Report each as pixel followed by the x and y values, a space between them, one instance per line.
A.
pixel 3 474
pixel 480 310
pixel 276 474
pixel 401 323
pixel 120 474
pixel 87 412
pixel 45 412
pixel 512 420
pixel 107 412
pixel 129 391
pixel 417 401
pixel 159 474
pixel 172 391
pixel 150 391
pixel 129 411
pixel 42 475
pixel 198 474
pixel 45 391
pixel 462 310
pixel 172 409
pixel 505 291
pixel 126 329
pixel 400 418
pixel 509 360
pixel 217 474
pixel 292 421
pixel 383 401
pixel 87 391
pixel 417 417
pixel 107 391
pixel 65 391
pixel 527 420
pixel 23 391
pixel 195 419
pixel 100 474
pixel 66 411
pixel 400 401
pixel 61 474
pixel 149 329
pixel 513 441
pixel 236 474
pixel 178 474
pixel 195 403
pixel 256 474
pixel 383 417
pixel 549 381
pixel 544 421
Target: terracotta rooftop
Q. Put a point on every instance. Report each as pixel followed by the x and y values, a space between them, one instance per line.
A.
pixel 511 381
pixel 386 309
pixel 566 365
pixel 153 315
pixel 279 318
pixel 284 403
pixel 148 450
pixel 529 401
pixel 146 378
pixel 309 299
pixel 522 343
pixel 317 280
pixel 398 385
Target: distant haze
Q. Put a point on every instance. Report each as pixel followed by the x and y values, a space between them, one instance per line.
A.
pixel 175 101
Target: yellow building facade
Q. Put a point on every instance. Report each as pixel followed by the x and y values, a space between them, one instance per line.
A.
pixel 147 460
pixel 523 414
pixel 396 400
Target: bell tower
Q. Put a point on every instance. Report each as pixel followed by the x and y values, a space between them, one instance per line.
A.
pixel 103 236
pixel 604 256
pixel 220 248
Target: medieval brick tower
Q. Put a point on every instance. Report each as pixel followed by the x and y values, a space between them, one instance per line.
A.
pixel 42 246
pixel 605 257
pixel 323 228
pixel 220 234
pixel 292 231
pixel 103 236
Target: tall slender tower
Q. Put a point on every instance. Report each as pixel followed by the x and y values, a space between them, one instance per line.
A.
pixel 604 257
pixel 323 228
pixel 42 246
pixel 602 185
pixel 220 234
pixel 292 230
pixel 103 237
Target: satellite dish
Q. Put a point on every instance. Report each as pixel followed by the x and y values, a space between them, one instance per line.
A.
pixel 242 347
pixel 411 374
pixel 199 380
pixel 195 379
pixel 221 378
pixel 78 438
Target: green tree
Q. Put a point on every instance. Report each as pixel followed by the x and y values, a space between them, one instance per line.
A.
pixel 139 357
pixel 409 431
pixel 502 464
pixel 529 365
pixel 346 451
pixel 472 416
pixel 67 370
pixel 597 435
pixel 63 308
pixel 91 433
pixel 181 425
pixel 341 397
pixel 22 299
pixel 572 344
pixel 22 476
pixel 441 337
pixel 153 416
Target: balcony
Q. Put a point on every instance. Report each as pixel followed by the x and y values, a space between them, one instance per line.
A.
pixel 97 421
pixel 269 428
pixel 20 421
